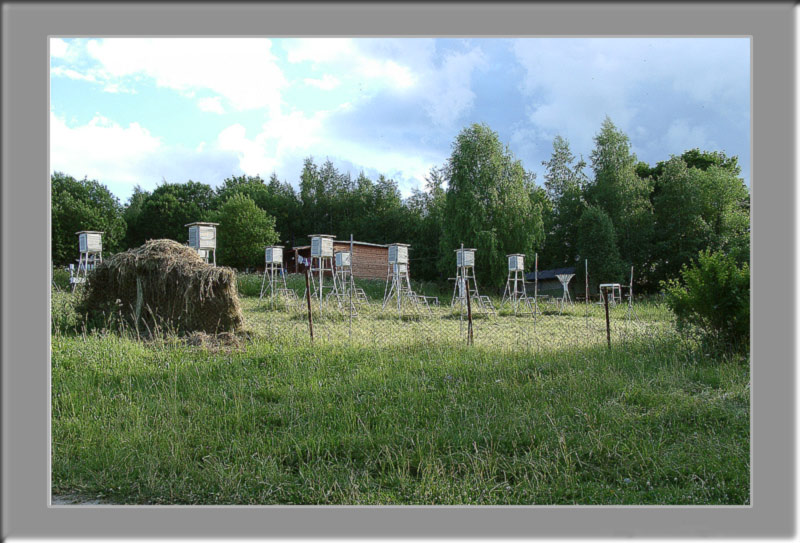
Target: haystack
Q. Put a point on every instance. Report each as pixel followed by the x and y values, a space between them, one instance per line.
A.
pixel 165 285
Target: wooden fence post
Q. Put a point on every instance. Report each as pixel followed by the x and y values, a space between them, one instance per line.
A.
pixel 308 302
pixel 608 322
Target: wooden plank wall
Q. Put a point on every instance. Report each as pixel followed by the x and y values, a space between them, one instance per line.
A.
pixel 368 262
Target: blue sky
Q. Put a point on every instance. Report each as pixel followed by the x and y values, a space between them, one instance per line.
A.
pixel 136 111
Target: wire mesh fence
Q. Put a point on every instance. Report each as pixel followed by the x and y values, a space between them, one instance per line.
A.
pixel 365 316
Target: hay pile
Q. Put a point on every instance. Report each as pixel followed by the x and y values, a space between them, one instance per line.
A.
pixel 165 286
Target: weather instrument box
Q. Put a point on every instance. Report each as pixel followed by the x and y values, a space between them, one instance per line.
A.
pixel 516 262
pixel 465 257
pixel 321 245
pixel 343 259
pixel 398 253
pixel 90 241
pixel 203 235
pixel 273 255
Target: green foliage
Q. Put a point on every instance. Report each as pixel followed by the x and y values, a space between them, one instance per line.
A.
pixel 681 230
pixel 132 214
pixel 489 205
pixel 165 212
pixel 622 194
pixel 713 296
pixel 425 210
pixel 699 204
pixel 277 198
pixel 243 232
pixel 565 184
pixel 596 241
pixel 662 216
pixel 82 205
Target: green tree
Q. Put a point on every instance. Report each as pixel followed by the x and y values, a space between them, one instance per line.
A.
pixel 488 205
pixel 681 231
pixel 82 205
pixel 277 198
pixel 131 214
pixel 726 210
pixel 165 212
pixel 565 183
pixel 622 194
pixel 425 210
pixel 243 232
pixel 597 243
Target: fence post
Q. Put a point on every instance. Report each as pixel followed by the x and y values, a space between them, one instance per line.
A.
pixel 350 288
pixel 586 285
pixel 608 322
pixel 469 311
pixel 308 302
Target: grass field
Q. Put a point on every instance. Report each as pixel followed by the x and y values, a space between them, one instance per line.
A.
pixel 400 411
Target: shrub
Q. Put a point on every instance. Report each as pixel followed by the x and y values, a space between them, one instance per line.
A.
pixel 713 297
pixel 61 278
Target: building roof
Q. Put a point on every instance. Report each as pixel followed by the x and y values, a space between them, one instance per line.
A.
pixel 347 242
pixel 202 224
pixel 549 274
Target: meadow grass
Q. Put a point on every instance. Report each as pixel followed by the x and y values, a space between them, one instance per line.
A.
pixel 394 411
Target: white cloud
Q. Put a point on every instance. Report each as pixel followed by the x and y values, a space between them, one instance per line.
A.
pixel 280 137
pixel 61 71
pixel 319 50
pixel 243 71
pixel 449 93
pixel 328 82
pixel 58 48
pixel 124 156
pixel 407 68
pixel 211 105
pixel 100 147
pixel 284 141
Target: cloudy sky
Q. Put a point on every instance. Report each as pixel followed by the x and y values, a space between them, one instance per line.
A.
pixel 136 111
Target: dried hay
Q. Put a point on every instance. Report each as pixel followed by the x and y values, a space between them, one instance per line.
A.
pixel 164 285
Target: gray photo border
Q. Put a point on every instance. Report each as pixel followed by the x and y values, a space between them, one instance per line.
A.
pixel 26 247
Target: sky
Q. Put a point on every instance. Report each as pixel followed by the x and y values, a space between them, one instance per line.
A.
pixel 141 111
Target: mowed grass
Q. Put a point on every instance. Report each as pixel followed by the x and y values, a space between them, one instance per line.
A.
pixel 416 420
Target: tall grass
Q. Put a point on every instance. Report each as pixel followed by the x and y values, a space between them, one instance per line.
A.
pixel 279 420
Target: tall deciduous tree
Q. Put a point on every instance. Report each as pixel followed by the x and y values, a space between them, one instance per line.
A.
pixel 564 181
pixel 171 206
pixel 681 232
pixel 277 198
pixel 488 205
pixel 426 209
pixel 596 242
pixel 82 205
pixel 243 232
pixel 622 194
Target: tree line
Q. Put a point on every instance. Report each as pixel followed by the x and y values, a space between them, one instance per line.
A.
pixel 615 211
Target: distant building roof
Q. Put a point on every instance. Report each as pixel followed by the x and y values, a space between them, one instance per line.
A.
pixel 548 274
pixel 346 241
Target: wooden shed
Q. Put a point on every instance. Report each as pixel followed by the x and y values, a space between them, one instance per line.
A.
pixel 369 259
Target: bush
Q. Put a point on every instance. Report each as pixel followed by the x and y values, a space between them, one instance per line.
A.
pixel 61 278
pixel 714 298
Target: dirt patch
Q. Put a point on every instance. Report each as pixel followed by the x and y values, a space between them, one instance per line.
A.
pixel 75 499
